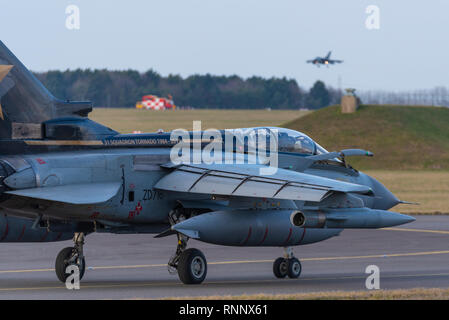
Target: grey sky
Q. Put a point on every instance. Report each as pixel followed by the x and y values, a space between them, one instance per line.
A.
pixel 243 37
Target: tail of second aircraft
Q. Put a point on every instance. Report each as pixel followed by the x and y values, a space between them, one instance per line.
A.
pixel 25 101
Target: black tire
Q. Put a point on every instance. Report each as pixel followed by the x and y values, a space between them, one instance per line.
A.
pixel 192 266
pixel 280 268
pixel 294 268
pixel 61 265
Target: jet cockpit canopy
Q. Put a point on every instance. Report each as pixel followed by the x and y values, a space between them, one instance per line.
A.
pixel 277 139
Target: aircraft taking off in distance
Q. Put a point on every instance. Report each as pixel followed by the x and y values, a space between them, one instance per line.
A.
pixel 65 176
pixel 325 61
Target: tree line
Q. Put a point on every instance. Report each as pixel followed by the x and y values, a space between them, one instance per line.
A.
pixel 438 96
pixel 124 88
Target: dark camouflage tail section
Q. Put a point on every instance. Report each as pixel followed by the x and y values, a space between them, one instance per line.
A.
pixel 25 102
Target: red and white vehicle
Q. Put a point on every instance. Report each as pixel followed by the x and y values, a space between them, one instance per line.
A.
pixel 152 102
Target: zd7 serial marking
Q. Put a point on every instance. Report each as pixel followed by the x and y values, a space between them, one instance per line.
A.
pixel 150 194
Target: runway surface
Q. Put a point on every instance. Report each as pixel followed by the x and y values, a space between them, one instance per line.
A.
pixel 134 266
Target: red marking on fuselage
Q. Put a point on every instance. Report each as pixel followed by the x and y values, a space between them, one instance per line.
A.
pixel 138 208
pixel 21 234
pixel 302 238
pixel 5 233
pixel 289 235
pixel 247 238
pixel 40 161
pixel 131 215
pixel 44 237
pixel 95 215
pixel 264 236
pixel 59 236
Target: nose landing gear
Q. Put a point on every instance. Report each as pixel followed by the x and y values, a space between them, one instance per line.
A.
pixel 71 256
pixel 192 267
pixel 190 263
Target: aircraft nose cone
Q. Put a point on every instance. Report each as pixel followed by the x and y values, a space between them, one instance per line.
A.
pixel 384 199
pixel 409 219
pixel 390 219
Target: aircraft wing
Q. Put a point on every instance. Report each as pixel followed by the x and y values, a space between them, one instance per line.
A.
pixel 246 181
pixel 73 194
pixel 335 61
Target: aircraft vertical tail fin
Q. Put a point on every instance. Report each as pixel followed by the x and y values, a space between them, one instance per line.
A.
pixel 24 99
pixel 328 55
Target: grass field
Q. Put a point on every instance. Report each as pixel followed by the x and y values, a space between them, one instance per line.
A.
pixel 430 187
pixel 128 120
pixel 401 137
pixel 409 294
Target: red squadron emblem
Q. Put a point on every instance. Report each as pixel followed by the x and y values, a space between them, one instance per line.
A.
pixel 136 211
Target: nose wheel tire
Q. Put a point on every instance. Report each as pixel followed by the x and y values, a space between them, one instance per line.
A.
pixel 294 268
pixel 66 258
pixel 280 268
pixel 192 266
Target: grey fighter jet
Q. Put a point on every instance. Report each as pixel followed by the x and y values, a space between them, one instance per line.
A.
pixel 324 60
pixel 65 176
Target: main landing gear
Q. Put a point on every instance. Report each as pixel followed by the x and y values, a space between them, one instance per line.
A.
pixel 287 265
pixel 71 256
pixel 190 263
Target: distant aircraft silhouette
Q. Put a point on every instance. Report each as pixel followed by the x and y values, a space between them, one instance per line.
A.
pixel 325 61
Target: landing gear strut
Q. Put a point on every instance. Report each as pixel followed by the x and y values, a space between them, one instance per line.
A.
pixel 287 265
pixel 71 256
pixel 190 263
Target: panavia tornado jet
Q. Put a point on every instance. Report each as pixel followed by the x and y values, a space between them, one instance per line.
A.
pixel 64 176
pixel 324 60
